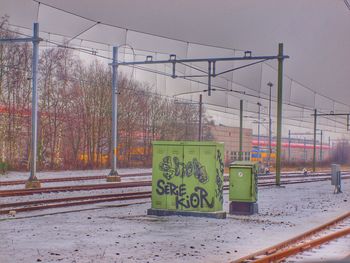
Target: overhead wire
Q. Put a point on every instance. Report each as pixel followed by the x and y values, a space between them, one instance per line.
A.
pixel 111 25
pixel 130 29
pixel 166 74
pixel 235 49
pixel 87 51
pixel 308 88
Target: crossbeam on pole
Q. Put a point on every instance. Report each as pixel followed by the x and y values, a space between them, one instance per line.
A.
pixel 17 40
pixel 194 60
pixel 335 114
pixel 331 114
pixel 211 63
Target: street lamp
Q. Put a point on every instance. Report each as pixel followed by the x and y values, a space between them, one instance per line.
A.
pixel 259 105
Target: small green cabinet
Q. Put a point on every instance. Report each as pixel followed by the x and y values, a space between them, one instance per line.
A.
pixel 187 176
pixel 243 181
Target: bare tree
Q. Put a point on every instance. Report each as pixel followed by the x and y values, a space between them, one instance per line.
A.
pixel 75 111
pixel 341 152
pixel 14 98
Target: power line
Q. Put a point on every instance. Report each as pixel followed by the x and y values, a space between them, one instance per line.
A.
pixel 294 104
pixel 308 88
pixel 92 52
pixel 137 31
pixel 179 40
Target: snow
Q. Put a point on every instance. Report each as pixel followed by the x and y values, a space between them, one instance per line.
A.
pixel 59 174
pixel 106 233
pixel 326 252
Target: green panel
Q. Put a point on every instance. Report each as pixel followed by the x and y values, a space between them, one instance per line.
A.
pixel 200 179
pixel 174 160
pixel 242 183
pixel 158 201
pixel 219 177
pixel 168 143
pixel 207 182
pixel 187 176
pixel 188 201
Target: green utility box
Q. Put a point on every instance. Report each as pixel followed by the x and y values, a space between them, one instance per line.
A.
pixel 187 178
pixel 243 189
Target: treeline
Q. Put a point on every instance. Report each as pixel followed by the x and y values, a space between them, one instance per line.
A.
pixel 74 129
pixel 341 152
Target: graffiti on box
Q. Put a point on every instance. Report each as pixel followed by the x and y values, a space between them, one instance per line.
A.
pixel 190 197
pixel 219 178
pixel 173 167
pixel 199 198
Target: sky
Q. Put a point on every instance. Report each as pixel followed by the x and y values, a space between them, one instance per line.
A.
pixel 315 34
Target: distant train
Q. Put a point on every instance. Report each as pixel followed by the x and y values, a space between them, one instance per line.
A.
pixel 134 156
pixel 262 155
pixel 298 151
pixel 140 156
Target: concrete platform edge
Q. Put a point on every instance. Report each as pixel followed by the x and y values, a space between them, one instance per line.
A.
pixel 33 184
pixel 243 208
pixel 113 178
pixel 161 212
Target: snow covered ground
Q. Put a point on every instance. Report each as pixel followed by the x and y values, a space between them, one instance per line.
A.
pixel 106 233
pixel 9 176
pixel 325 253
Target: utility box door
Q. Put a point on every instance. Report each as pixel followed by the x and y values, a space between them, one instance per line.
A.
pixel 241 180
pixel 187 176
pixel 205 177
pixel 174 183
pixel 158 181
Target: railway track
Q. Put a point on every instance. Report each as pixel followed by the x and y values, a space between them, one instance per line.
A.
pixel 70 179
pixel 70 201
pixel 102 177
pixel 312 239
pixel 22 192
pixel 84 200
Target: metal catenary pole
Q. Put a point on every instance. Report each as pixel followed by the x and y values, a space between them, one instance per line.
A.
pixel 32 180
pixel 279 113
pixel 200 118
pixel 241 130
pixel 314 153
pixel 321 153
pixel 36 41
pixel 289 145
pixel 113 171
pixel 270 126
pixel 212 73
pixel 305 155
pixel 259 105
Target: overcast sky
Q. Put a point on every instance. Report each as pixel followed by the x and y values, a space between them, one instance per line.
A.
pixel 315 33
